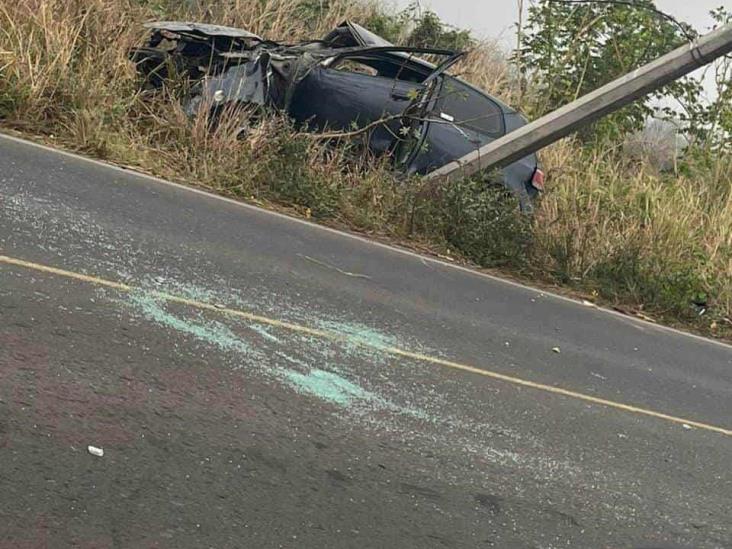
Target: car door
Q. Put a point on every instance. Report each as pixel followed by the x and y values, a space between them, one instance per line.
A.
pixel 342 98
pixel 461 119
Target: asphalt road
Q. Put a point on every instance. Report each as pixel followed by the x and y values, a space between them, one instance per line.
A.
pixel 257 381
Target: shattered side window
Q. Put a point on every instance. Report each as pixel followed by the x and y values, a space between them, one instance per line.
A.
pixel 386 66
pixel 465 106
pixel 352 65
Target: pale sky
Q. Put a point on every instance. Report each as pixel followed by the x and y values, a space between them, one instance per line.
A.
pixel 495 19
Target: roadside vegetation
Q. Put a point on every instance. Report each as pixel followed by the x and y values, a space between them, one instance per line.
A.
pixel 624 222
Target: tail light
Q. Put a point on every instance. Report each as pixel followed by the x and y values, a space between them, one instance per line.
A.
pixel 538 180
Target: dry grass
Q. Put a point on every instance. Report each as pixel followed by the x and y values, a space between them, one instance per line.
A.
pixel 486 67
pixel 633 235
pixel 608 225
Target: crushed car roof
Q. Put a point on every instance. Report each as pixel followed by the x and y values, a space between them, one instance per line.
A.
pixel 202 28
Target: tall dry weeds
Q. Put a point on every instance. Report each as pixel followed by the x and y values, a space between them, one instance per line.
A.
pixel 634 235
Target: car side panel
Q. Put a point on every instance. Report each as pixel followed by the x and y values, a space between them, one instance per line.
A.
pixel 342 101
pixel 444 143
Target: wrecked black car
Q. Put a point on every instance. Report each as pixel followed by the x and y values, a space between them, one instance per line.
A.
pixel 350 80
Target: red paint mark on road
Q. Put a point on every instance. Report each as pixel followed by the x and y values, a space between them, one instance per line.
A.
pixel 49 397
pixel 47 531
pixel 204 390
pixel 77 405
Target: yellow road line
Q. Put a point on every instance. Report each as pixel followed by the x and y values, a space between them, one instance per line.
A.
pixel 355 340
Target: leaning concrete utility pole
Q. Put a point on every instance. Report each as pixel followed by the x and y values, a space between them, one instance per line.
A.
pixel 605 100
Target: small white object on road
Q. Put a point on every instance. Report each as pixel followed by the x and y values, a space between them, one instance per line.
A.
pixel 686 426
pixel 93 450
pixel 556 350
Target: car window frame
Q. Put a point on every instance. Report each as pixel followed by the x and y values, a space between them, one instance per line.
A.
pixel 476 91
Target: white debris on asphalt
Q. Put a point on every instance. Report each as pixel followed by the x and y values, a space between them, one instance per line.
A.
pixel 686 426
pixel 93 450
pixel 556 350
